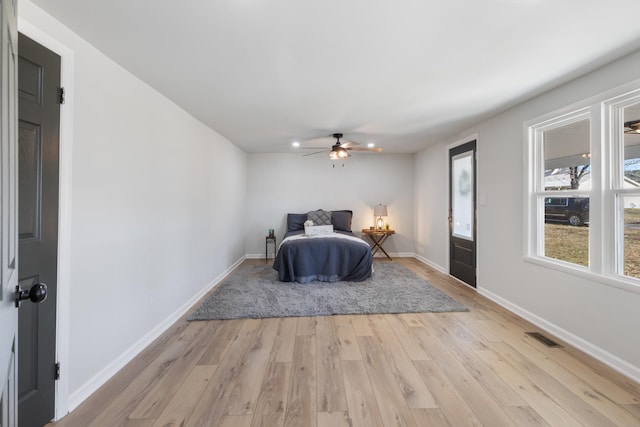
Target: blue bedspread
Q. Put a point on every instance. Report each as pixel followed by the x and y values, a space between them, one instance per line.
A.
pixel 326 259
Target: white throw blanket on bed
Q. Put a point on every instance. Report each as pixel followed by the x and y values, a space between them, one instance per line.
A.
pixel 323 236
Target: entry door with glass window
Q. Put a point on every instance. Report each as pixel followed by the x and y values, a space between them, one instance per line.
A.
pixel 462 212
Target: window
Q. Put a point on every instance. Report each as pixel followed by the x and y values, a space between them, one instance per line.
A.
pixel 583 189
pixel 561 187
pixel 624 114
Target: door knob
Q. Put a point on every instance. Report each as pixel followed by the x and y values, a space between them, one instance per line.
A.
pixel 37 294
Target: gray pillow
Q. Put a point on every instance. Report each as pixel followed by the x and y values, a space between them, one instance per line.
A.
pixel 319 217
pixel 295 221
pixel 341 220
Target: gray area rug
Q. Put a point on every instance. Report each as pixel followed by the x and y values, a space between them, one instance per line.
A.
pixel 254 291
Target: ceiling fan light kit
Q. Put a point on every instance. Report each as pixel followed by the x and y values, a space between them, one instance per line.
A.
pixel 340 151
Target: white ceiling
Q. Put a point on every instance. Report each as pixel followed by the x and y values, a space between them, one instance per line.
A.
pixel 401 74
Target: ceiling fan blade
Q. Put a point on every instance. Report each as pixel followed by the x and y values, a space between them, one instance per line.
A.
pixel 348 144
pixel 632 127
pixel 317 152
pixel 366 149
pixel 312 148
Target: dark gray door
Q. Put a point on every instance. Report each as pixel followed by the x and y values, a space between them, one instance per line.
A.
pixel 462 212
pixel 38 142
pixel 8 210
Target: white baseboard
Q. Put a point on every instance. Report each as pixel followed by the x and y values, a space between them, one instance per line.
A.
pixel 86 390
pixel 604 356
pixel 257 256
pixel 424 260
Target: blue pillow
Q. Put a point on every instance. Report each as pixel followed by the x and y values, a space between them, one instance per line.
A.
pixel 341 220
pixel 295 222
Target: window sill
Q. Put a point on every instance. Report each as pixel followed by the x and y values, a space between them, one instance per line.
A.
pixel 623 283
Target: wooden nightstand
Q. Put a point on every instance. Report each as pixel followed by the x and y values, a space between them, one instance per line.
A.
pixel 378 237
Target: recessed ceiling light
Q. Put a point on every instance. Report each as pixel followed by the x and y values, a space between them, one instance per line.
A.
pixel 296 144
pixel 371 145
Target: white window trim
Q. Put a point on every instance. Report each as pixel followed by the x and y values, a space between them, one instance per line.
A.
pixel 605 114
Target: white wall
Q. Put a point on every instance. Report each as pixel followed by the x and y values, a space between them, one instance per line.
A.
pixel 431 206
pixel 278 184
pixel 598 318
pixel 157 208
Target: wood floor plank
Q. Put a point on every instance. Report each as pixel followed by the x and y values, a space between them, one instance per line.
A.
pixel 449 332
pixel 525 416
pixel 602 383
pixel 330 385
pixel 361 326
pixel 578 408
pixel 211 407
pixel 334 419
pixel 306 326
pixel 478 367
pixel 272 399
pixel 411 319
pixel 301 399
pixel 393 408
pixel 453 406
pixel 547 360
pixel 560 361
pixel 476 328
pixel 348 344
pixel 406 339
pixel 174 375
pixel 415 392
pixel 285 340
pixel 430 417
pixel 179 409
pixel 249 380
pixel 223 338
pixel 552 412
pixel 125 403
pixel 482 402
pixel 236 421
pixel 361 401
pixel 626 384
pixel 633 409
pixel 599 400
pixel 141 422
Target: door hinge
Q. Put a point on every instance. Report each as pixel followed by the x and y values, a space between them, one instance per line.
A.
pixel 57 370
pixel 61 95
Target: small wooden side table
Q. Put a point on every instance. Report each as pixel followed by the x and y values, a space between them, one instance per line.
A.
pixel 266 247
pixel 378 238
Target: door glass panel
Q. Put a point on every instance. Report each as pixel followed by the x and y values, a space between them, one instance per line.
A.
pixel 462 195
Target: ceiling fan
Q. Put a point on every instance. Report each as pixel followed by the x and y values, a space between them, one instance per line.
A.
pixel 340 151
pixel 632 127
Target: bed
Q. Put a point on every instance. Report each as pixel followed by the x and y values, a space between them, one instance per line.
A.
pixel 338 256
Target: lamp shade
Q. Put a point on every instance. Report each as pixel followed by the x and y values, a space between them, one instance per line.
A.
pixel 380 210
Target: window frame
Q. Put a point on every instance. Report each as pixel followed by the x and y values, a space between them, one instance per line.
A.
pixel 606 231
pixel 613 119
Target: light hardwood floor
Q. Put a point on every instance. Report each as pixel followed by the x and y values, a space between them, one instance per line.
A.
pixel 449 369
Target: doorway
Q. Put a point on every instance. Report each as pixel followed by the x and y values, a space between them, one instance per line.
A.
pixel 39 101
pixel 462 212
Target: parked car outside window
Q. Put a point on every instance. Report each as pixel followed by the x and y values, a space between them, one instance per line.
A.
pixel 574 210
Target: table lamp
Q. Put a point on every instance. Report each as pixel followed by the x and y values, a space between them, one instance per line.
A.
pixel 380 211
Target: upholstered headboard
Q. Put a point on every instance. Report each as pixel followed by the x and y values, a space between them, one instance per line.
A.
pixel 341 220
